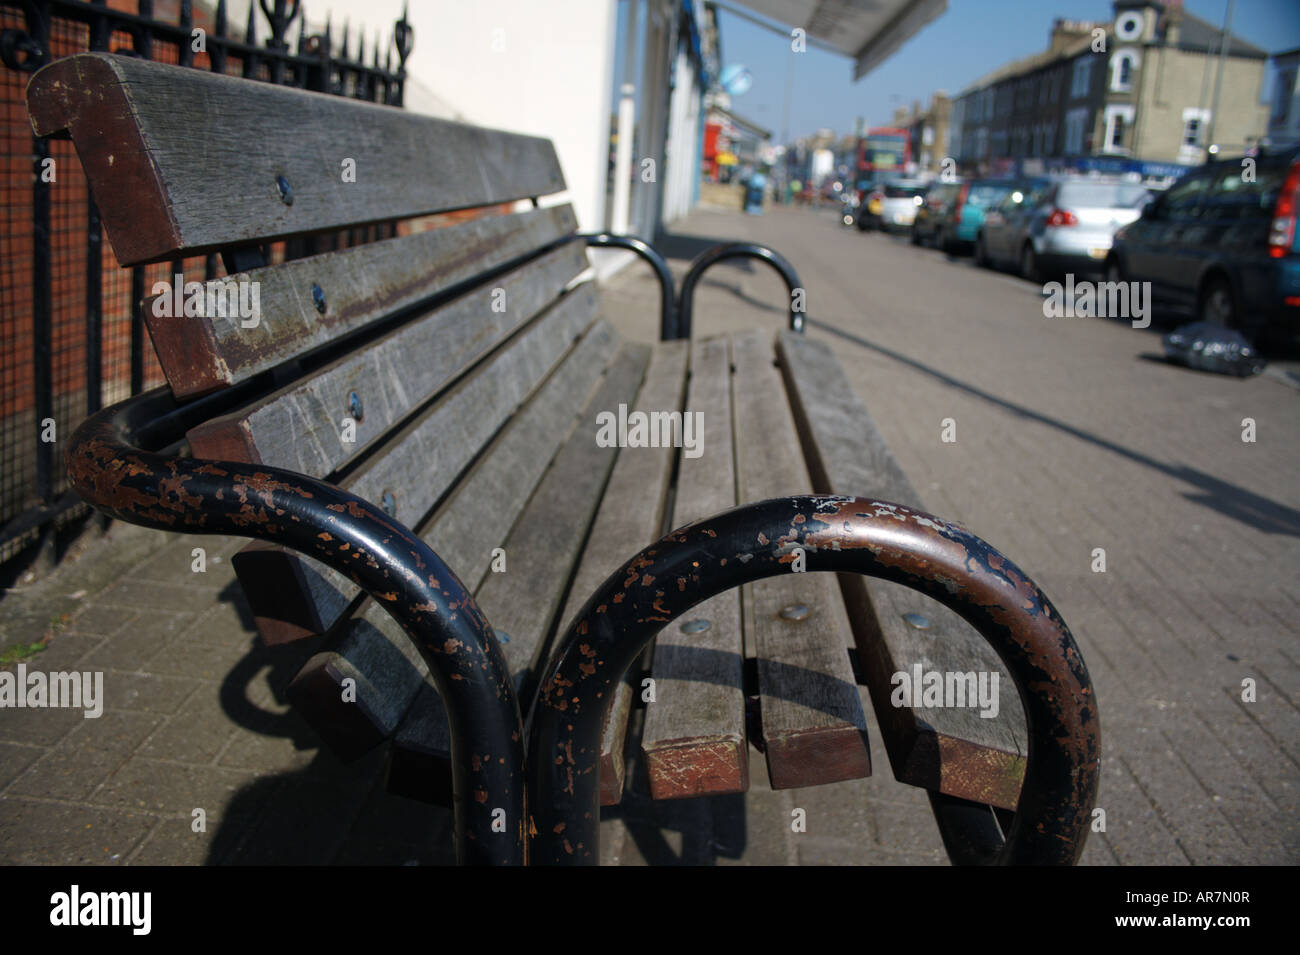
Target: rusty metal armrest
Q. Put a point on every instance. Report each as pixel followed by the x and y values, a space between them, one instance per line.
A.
pixel 846 535
pixel 124 461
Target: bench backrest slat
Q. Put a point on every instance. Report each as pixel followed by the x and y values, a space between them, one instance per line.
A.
pixel 183 161
pixel 317 425
pixel 359 286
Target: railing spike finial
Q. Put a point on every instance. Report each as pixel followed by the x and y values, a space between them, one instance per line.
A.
pixel 402 38
pixel 361 45
pixel 302 34
pixel 187 14
pixel 343 50
pixel 221 18
pixel 329 38
pixel 250 30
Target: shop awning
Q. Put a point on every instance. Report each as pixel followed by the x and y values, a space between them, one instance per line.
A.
pixel 869 31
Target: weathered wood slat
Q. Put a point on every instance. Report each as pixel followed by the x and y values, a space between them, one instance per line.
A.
pixel 813 725
pixel 360 285
pixel 541 553
pixel 694 736
pixel 370 648
pixel 631 517
pixel 317 425
pixel 953 750
pixel 429 454
pixel 182 161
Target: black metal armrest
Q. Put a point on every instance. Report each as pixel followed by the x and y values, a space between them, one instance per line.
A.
pixel 737 250
pixel 840 534
pixel 111 471
pixel 667 307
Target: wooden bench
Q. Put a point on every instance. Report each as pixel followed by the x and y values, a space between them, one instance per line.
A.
pixel 418 419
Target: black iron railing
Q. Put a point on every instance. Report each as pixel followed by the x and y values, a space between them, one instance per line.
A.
pixel 72 338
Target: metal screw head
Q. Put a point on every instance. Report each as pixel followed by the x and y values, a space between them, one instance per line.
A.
pixel 795 612
pixel 286 190
pixel 695 626
pixel 318 297
pixel 355 408
pixel 388 503
pixel 917 621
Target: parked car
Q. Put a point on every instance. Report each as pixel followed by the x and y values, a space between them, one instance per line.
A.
pixel 1222 244
pixel 899 202
pixel 959 227
pixel 939 199
pixel 1046 227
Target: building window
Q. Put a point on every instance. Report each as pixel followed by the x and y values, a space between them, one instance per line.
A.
pixel 1282 97
pixel 1195 123
pixel 1121 70
pixel 1075 120
pixel 1082 77
pixel 1118 120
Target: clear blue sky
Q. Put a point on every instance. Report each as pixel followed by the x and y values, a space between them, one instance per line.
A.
pixel 972 38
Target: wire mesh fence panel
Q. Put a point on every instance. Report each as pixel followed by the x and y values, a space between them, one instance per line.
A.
pixel 72 339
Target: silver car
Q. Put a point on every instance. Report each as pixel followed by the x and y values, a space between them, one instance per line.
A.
pixel 1053 226
pixel 899 203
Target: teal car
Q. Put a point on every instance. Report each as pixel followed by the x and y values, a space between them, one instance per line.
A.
pixel 965 216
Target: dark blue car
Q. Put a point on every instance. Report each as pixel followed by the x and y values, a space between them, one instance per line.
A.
pixel 1223 244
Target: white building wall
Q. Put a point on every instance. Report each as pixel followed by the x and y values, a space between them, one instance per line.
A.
pixel 533 67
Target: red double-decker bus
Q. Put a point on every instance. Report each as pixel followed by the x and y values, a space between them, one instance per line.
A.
pixel 884 150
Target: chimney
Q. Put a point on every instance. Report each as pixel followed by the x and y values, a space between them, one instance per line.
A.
pixel 1065 32
pixel 1173 18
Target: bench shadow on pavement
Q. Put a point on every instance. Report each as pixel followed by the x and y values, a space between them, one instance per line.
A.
pixel 326 812
pixel 1230 500
pixel 330 811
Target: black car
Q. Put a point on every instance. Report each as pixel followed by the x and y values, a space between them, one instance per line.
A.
pixel 1222 243
pixel 939 201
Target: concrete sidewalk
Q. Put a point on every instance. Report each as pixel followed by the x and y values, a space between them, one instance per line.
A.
pixel 1068 440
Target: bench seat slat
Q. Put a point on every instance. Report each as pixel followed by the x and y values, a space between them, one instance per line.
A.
pixel 631 515
pixel 542 551
pixel 694 736
pixel 182 161
pixel 953 750
pixel 301 428
pixel 419 464
pixel 369 646
pixel 361 285
pixel 813 725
